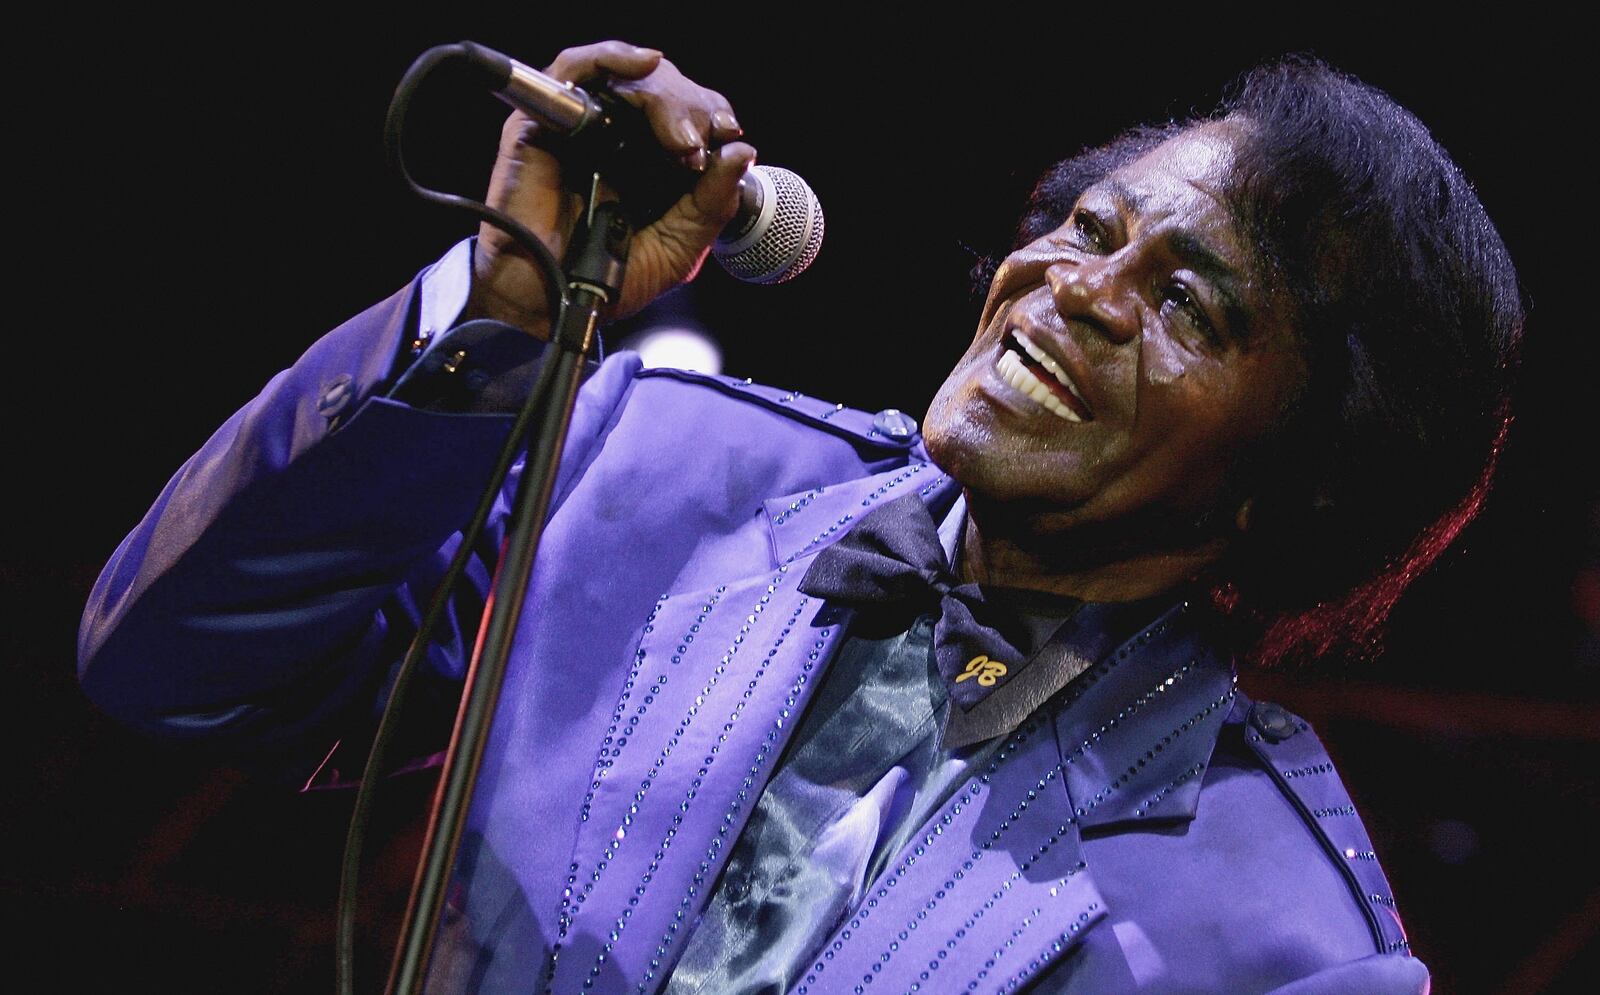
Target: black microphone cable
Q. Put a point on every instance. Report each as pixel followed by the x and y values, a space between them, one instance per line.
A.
pixel 389 723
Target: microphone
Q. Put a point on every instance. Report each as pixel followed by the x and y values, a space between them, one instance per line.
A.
pixel 777 231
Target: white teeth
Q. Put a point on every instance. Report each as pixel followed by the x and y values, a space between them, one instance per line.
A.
pixel 1022 378
pixel 1045 361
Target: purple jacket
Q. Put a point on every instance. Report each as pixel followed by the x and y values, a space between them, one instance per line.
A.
pixel 1159 833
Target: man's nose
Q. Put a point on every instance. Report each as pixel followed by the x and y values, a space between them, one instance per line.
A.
pixel 1097 291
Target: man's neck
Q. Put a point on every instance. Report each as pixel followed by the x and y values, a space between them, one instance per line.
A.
pixel 1123 573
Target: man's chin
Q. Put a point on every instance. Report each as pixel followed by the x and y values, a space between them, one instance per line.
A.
pixel 947 432
pixel 970 457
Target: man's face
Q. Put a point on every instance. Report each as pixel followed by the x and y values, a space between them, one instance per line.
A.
pixel 1125 363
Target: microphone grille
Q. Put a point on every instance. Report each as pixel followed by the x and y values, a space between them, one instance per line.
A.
pixel 781 245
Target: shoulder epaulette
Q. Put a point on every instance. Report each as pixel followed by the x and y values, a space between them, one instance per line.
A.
pixel 890 428
pixel 1297 761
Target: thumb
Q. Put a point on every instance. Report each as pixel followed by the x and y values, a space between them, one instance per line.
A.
pixel 701 214
pixel 671 250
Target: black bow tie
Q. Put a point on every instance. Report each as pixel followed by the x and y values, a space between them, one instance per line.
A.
pixel 892 563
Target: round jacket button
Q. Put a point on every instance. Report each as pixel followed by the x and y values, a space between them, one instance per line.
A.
pixel 1275 722
pixel 335 395
pixel 894 423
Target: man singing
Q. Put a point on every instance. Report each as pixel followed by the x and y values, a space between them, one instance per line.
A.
pixel 804 700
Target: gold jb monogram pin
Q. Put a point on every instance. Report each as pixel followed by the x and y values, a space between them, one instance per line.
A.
pixel 987 671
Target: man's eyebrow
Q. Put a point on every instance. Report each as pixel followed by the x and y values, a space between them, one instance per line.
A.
pixel 1126 198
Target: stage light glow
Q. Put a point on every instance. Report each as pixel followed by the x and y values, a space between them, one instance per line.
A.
pixel 676 347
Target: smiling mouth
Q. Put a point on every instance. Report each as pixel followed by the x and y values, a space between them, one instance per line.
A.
pixel 1026 367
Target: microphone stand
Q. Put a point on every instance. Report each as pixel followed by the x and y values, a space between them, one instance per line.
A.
pixel 596 261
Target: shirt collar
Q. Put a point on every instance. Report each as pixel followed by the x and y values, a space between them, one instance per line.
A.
pixel 951 529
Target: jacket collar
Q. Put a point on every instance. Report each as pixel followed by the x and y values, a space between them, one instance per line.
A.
pixel 808 521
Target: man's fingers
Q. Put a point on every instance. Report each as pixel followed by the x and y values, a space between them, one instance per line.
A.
pixel 709 123
pixel 679 111
pixel 617 58
pixel 687 137
pixel 724 126
pixel 687 119
pixel 690 122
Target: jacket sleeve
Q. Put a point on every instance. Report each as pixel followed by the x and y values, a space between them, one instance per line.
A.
pixel 265 597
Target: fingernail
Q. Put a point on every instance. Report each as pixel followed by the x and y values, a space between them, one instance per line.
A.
pixel 740 161
pixel 689 135
pixel 645 52
pixel 697 160
pixel 724 121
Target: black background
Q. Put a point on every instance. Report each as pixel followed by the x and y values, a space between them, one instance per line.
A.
pixel 195 202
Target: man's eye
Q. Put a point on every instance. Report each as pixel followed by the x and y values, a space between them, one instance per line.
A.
pixel 1089 231
pixel 1177 300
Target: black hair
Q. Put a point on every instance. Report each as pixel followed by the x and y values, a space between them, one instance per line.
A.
pixel 1407 306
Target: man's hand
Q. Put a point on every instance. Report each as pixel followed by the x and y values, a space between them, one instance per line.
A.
pixel 686 118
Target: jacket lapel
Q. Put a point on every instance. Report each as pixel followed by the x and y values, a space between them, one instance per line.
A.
pixel 719 678
pixel 1137 731
pixel 996 886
